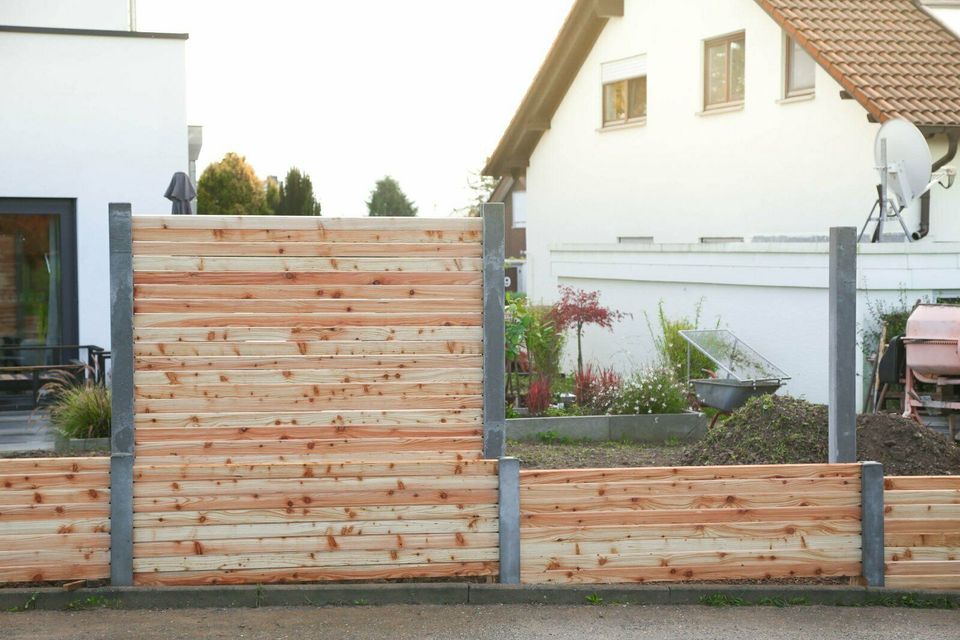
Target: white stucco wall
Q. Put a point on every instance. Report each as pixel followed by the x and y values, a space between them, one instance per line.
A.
pixel 773 168
pixel 769 169
pixel 98 119
pixel 113 15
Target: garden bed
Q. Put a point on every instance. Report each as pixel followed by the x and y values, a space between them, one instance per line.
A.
pixel 565 454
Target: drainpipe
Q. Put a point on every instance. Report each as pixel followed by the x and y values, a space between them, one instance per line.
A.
pixel 924 229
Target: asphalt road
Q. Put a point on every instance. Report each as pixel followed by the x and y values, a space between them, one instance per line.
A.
pixel 396 622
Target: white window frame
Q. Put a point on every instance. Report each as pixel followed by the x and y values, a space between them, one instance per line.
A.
pixel 623 70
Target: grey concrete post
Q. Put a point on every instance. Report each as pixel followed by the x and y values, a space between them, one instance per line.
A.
pixel 871 519
pixel 494 356
pixel 843 344
pixel 122 427
pixel 509 472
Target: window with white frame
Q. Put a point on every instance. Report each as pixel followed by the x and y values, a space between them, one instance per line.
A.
pixel 724 74
pixel 519 209
pixel 624 90
pixel 799 69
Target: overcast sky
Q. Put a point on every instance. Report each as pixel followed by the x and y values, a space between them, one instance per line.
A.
pixel 351 91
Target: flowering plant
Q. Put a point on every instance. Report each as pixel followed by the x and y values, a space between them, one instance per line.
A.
pixel 653 390
pixel 595 389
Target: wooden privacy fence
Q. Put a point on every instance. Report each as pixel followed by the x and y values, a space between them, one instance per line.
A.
pixel 306 397
pixel 54 519
pixel 922 532
pixel 690 523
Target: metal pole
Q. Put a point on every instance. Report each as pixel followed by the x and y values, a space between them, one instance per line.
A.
pixel 871 519
pixel 122 427
pixel 843 344
pixel 494 356
pixel 509 475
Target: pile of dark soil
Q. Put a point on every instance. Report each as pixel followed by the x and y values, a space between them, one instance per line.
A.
pixel 785 430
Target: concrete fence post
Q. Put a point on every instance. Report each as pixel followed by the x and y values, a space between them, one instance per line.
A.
pixel 842 410
pixel 509 476
pixel 122 427
pixel 871 518
pixel 494 357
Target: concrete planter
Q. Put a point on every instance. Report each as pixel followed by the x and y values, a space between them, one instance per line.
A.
pixel 650 428
pixel 66 445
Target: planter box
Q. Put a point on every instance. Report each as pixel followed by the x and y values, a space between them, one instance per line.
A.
pixel 650 428
pixel 66 445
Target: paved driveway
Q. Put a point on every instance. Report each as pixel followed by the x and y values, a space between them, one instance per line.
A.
pixel 496 622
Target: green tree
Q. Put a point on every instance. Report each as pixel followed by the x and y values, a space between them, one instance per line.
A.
pixel 296 195
pixel 230 187
pixel 387 199
pixel 271 201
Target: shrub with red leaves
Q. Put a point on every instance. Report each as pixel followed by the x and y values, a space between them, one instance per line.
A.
pixel 596 389
pixel 578 308
pixel 539 396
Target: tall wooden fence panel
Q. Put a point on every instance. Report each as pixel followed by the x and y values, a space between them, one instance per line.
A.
pixel 54 519
pixel 689 523
pixel 922 532
pixel 281 365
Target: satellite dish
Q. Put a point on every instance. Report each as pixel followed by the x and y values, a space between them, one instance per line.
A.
pixel 905 160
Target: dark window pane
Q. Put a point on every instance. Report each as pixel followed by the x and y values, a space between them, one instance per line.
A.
pixel 638 97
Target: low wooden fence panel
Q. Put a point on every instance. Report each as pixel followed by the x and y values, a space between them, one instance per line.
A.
pixel 54 519
pixel 290 522
pixel 689 523
pixel 922 532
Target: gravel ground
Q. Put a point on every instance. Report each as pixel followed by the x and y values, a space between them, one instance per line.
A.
pixel 586 455
pixel 611 622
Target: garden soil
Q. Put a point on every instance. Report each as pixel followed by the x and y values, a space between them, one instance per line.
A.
pixel 785 430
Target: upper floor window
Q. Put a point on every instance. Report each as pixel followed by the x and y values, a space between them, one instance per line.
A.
pixel 723 65
pixel 799 69
pixel 624 90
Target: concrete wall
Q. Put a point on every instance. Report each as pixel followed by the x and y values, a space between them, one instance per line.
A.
pixel 67 14
pixel 98 119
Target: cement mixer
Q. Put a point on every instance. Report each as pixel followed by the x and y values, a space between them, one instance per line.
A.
pixel 932 374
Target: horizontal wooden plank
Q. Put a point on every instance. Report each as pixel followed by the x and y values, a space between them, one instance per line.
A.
pixel 923 568
pixel 63 514
pixel 307 334
pixel 159 473
pixel 217 320
pixel 273 363
pixel 41 541
pixel 896 554
pixel 700 559
pixel 317 558
pixel 182 264
pixel 921 483
pixel 950 581
pixel 343 519
pixel 328 456
pixel 376 224
pixel 305 291
pixel 313 418
pixel 58 553
pixel 731 571
pixel 175 381
pixel 319 448
pixel 309 544
pixel 681 474
pixel 316 392
pixel 668 501
pixel 705 531
pixel 924 511
pixel 308 249
pixel 294 529
pixel 40 480
pixel 54 465
pixel 924 525
pixel 26 526
pixel 57 571
pixel 322 403
pixel 9 497
pixel 345 486
pixel 942 496
pixel 316 498
pixel 312 348
pixel 302 574
pixel 921 539
pixel 314 278
pixel 302 306
pixel 671 545
pixel 652 488
pixel 179 434
pixel 691 516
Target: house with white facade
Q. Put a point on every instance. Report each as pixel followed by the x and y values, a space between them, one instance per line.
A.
pixel 697 152
pixel 92 112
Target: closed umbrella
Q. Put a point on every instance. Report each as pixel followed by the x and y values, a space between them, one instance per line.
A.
pixel 180 193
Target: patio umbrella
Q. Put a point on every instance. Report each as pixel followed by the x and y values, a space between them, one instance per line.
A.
pixel 180 193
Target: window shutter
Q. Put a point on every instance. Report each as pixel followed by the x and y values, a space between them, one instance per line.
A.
pixel 624 69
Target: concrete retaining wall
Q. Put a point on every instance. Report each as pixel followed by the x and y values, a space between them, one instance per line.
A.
pixel 655 428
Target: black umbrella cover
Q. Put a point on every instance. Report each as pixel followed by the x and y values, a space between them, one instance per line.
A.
pixel 180 193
